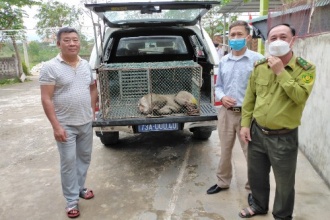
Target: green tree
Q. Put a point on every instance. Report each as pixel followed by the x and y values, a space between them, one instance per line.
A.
pixel 40 52
pixel 213 20
pixel 11 23
pixel 53 15
pixel 34 48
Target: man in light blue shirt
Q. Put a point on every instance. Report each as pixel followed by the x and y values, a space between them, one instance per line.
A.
pixel 234 71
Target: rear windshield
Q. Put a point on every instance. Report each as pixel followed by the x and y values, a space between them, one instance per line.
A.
pixel 135 46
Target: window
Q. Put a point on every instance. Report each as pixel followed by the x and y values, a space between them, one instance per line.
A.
pixel 151 45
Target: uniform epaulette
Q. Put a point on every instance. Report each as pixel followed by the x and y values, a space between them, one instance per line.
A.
pixel 258 62
pixel 303 63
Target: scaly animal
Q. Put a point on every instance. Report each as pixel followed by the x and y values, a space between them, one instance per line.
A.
pixel 166 104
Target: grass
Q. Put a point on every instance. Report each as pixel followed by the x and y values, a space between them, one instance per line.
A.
pixel 12 81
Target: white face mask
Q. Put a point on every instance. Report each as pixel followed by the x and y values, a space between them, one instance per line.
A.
pixel 278 48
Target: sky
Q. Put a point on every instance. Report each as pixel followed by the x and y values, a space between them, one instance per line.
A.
pixel 30 22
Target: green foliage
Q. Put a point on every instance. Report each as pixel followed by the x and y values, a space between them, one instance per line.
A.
pixel 39 52
pixel 25 69
pixel 225 2
pixel 56 14
pixel 34 48
pixel 11 18
pixel 9 81
pixel 213 21
pixel 7 50
pixel 11 15
pixel 21 3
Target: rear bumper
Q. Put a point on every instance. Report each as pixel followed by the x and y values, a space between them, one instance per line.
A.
pixel 207 118
pixel 208 113
pixel 140 121
pixel 212 125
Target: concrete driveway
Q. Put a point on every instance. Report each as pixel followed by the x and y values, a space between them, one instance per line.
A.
pixel 160 176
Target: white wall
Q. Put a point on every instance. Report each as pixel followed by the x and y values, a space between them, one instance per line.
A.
pixel 314 132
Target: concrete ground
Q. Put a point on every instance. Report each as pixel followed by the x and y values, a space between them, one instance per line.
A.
pixel 160 176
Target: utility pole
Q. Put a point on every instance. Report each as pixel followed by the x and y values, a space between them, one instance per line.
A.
pixel 264 5
pixel 26 55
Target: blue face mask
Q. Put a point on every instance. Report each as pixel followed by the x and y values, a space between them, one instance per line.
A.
pixel 237 44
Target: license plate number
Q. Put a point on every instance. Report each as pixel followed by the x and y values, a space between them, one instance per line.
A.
pixel 158 127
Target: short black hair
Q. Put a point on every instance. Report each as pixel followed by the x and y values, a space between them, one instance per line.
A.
pixel 293 31
pixel 65 30
pixel 241 23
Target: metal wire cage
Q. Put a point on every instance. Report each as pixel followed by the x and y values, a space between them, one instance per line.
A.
pixel 131 90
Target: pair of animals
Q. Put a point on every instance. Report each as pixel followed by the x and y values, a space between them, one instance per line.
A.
pixel 166 104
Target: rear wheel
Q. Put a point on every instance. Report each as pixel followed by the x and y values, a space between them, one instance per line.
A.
pixel 202 133
pixel 109 138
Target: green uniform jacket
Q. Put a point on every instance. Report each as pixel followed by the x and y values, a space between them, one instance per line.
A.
pixel 277 102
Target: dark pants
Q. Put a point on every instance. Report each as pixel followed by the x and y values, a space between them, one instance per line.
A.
pixel 280 153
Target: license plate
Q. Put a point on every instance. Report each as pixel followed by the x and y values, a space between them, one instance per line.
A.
pixel 159 127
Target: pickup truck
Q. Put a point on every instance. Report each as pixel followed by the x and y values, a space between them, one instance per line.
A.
pixel 146 56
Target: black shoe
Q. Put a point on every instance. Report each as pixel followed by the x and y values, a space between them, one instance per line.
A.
pixel 214 189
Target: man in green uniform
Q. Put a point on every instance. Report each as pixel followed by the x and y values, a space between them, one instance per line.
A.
pixel 276 94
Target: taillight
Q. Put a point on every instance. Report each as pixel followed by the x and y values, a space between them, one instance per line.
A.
pixel 97 106
pixel 216 103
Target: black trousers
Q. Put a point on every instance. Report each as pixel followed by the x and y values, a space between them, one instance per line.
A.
pixel 279 152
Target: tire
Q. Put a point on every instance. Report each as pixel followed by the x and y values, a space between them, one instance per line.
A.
pixel 109 138
pixel 202 133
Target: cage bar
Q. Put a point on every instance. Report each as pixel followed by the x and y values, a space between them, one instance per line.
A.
pixel 122 85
